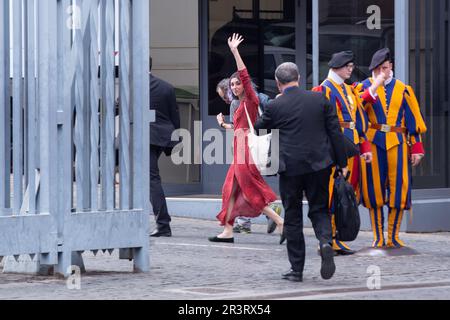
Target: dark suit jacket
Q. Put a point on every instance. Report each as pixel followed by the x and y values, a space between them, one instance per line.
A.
pixel 164 102
pixel 311 139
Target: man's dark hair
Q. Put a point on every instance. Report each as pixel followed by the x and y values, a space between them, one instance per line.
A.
pixel 287 73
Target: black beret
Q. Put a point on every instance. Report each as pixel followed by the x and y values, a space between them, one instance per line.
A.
pixel 380 57
pixel 341 59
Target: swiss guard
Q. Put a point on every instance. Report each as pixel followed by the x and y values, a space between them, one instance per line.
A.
pixel 395 128
pixel 353 121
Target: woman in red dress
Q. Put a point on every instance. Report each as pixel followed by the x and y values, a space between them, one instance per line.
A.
pixel 244 193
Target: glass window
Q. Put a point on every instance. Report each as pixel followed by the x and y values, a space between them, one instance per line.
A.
pixel 270 66
pixel 288 58
pixel 361 26
pixel 269 31
pixel 175 53
pixel 429 75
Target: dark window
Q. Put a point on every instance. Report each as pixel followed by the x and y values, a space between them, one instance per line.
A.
pixel 269 31
pixel 288 58
pixel 344 26
pixel 429 74
pixel 270 66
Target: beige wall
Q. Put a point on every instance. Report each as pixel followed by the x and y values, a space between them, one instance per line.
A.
pixel 175 41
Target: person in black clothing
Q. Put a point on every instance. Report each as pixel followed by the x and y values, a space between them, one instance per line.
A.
pixel 163 102
pixel 311 142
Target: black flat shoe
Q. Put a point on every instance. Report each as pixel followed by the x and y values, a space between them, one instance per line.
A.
pixel 223 240
pixel 282 238
pixel 271 226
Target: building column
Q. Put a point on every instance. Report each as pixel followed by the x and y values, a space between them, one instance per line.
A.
pixel 402 40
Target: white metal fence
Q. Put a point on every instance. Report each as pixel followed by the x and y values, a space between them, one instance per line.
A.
pixel 57 129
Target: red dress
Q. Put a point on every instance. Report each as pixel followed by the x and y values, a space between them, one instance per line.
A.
pixel 253 194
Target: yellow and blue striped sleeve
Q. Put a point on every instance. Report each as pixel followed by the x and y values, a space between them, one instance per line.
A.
pixel 414 121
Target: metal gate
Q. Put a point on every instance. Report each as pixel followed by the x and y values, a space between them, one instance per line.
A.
pixel 58 130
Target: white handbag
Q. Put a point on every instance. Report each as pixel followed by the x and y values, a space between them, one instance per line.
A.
pixel 259 147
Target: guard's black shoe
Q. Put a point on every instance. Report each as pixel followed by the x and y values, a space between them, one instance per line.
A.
pixel 293 276
pixel 161 233
pixel 223 240
pixel 328 267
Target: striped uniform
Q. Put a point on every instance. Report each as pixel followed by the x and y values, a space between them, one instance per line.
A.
pixel 387 180
pixel 349 109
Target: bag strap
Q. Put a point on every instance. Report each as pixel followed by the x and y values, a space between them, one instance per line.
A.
pixel 250 124
pixel 338 170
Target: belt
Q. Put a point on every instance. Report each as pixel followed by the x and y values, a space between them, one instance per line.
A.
pixel 386 128
pixel 348 125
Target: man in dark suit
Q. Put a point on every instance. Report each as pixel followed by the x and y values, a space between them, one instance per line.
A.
pixel 310 143
pixel 163 102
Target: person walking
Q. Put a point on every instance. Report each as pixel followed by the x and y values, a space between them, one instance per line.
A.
pixel 163 102
pixel 353 122
pixel 396 126
pixel 244 191
pixel 311 143
pixel 243 224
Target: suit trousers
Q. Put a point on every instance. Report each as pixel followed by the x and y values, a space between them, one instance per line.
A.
pixel 315 186
pixel 157 197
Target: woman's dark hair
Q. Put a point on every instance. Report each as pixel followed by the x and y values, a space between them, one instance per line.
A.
pixel 237 76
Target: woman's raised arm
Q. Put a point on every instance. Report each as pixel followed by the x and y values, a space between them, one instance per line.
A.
pixel 233 43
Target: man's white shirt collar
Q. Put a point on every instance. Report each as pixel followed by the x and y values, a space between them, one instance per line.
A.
pixel 335 77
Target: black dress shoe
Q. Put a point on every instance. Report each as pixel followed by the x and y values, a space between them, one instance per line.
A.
pixel 320 254
pixel 328 267
pixel 161 233
pixel 344 252
pixel 223 240
pixel 293 276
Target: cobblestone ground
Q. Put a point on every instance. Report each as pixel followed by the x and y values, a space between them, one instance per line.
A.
pixel 188 267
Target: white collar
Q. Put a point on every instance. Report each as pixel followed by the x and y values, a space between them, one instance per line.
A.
pixel 335 77
pixel 389 80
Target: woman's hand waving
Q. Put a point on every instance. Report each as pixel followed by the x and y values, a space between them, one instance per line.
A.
pixel 235 41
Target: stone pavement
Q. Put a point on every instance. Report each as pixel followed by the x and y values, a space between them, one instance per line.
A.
pixel 188 267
